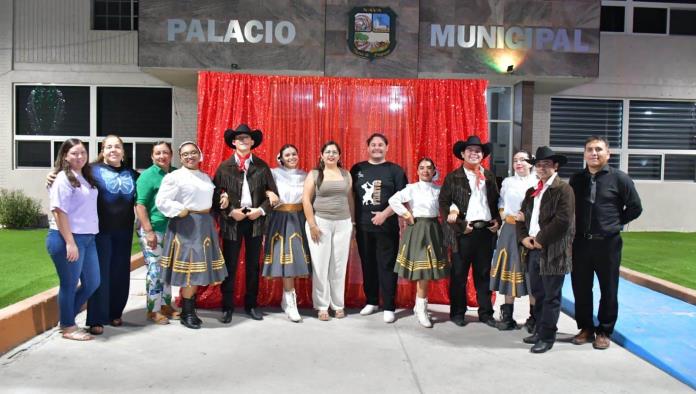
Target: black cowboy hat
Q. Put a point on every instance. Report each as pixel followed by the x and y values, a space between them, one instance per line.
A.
pixel 255 135
pixel 545 153
pixel 473 140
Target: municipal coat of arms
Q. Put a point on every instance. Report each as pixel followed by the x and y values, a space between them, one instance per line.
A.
pixel 371 31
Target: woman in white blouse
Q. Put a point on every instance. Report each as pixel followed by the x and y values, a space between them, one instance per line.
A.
pixel 286 254
pixel 507 273
pixel 191 256
pixel 421 254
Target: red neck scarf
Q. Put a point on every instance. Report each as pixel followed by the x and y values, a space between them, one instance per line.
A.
pixel 476 169
pixel 539 188
pixel 243 161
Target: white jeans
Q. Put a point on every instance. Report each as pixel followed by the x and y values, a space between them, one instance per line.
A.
pixel 329 262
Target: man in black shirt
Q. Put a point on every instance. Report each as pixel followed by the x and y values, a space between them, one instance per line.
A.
pixel 377 235
pixel 606 200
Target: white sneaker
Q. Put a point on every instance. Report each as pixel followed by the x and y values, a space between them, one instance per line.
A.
pixel 289 305
pixel 389 317
pixel 368 309
pixel 421 312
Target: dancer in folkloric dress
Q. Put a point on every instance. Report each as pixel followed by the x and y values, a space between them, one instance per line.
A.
pixel 421 254
pixel 507 272
pixel 286 253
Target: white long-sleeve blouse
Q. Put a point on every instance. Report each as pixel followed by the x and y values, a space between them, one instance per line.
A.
pixel 184 188
pixel 421 196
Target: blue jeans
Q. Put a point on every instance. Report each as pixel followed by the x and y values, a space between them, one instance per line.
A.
pixel 109 300
pixel 86 269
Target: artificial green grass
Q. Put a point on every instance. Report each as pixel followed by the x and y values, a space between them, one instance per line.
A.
pixel 666 255
pixel 26 268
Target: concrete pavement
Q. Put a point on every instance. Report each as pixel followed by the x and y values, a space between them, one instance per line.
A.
pixel 354 355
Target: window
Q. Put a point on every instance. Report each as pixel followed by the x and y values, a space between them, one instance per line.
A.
pixel 46 115
pixel 499 105
pixel 573 120
pixel 134 112
pixel 659 142
pixel 662 125
pixel 612 19
pixel 649 16
pixel 650 20
pixel 52 110
pixel 682 22
pixel 115 14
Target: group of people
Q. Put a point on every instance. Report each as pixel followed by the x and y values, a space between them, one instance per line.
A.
pixel 518 240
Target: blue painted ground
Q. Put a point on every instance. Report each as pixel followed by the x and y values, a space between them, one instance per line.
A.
pixel 654 326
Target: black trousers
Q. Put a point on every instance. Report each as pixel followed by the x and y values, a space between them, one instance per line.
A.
pixel 475 250
pixel 602 257
pixel 230 250
pixel 546 290
pixel 378 252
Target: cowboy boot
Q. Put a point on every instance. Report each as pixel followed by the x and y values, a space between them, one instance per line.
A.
pixel 421 312
pixel 531 320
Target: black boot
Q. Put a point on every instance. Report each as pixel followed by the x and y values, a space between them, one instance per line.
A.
pixel 507 322
pixel 195 316
pixel 188 314
pixel 531 320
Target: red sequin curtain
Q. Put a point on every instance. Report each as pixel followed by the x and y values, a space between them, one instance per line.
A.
pixel 420 118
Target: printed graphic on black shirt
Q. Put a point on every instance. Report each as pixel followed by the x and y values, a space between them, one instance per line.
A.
pixel 373 192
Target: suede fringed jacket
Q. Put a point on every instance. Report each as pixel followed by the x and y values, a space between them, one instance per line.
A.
pixel 557 227
pixel 456 190
pixel 229 178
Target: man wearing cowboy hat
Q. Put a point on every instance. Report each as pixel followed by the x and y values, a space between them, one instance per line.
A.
pixel 241 183
pixel 469 201
pixel 547 233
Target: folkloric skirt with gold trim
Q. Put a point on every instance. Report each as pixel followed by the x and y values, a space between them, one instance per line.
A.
pixel 421 254
pixel 191 255
pixel 507 272
pixel 286 254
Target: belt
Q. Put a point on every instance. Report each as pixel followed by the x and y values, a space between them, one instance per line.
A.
pixel 202 211
pixel 597 237
pixel 480 224
pixel 289 208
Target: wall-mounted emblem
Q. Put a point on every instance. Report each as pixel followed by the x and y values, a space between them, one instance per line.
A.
pixel 371 31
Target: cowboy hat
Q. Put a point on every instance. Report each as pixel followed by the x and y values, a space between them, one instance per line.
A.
pixel 231 134
pixel 545 153
pixel 460 146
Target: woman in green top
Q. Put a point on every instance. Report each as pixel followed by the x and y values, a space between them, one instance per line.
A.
pixel 151 229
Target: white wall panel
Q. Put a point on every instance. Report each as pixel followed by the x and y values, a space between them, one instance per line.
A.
pixel 59 32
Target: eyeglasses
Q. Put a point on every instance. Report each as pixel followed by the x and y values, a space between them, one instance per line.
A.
pixel 186 155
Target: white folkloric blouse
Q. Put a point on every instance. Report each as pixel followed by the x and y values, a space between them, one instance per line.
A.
pixel 421 196
pixel 512 192
pixel 184 188
pixel 290 183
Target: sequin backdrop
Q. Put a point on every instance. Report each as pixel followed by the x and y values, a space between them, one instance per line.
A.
pixel 421 117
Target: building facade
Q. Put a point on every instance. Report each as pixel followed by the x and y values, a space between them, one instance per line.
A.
pixel 558 71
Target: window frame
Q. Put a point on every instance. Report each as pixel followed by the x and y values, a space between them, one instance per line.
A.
pixel 93 138
pixel 131 16
pixel 509 122
pixel 625 151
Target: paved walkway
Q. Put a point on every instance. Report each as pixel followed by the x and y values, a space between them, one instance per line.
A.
pixel 353 355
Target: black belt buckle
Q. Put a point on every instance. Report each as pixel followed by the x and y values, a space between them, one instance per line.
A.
pixel 480 224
